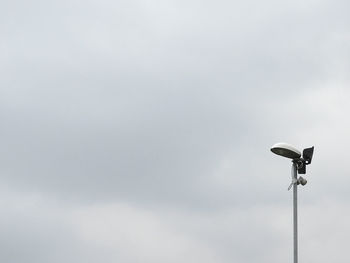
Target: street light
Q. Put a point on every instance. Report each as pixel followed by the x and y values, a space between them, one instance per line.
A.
pixel 298 167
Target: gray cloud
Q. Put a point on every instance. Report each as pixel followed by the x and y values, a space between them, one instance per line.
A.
pixel 165 111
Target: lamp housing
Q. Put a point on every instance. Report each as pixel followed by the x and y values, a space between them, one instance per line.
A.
pixel 286 150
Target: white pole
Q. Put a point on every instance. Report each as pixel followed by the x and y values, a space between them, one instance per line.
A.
pixel 295 213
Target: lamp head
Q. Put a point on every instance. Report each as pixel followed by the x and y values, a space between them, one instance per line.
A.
pixel 286 150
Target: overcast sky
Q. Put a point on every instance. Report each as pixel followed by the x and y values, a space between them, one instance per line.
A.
pixel 140 131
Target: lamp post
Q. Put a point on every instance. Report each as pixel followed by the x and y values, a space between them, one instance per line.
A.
pixel 298 166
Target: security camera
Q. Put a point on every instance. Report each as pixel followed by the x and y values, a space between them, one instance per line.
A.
pixel 305 160
pixel 307 154
pixel 301 181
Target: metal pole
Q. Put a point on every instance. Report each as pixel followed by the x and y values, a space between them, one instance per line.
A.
pixel 295 214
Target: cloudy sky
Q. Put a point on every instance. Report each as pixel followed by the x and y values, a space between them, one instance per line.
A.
pixel 139 131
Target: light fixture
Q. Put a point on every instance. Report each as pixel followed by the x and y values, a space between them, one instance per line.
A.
pixel 298 167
